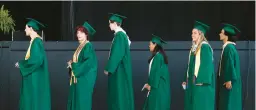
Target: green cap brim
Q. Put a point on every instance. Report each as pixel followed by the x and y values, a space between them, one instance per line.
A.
pixel 158 40
pixel 36 25
pixel 230 28
pixel 116 17
pixel 90 29
pixel 201 26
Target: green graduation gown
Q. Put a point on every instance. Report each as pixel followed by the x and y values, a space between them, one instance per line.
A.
pixel 159 79
pixel 85 72
pixel 120 90
pixel 200 71
pixel 229 70
pixel 35 88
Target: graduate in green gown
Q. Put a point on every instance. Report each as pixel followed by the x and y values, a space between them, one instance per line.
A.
pixel 229 77
pixel 35 86
pixel 119 68
pixel 158 85
pixel 83 70
pixel 199 81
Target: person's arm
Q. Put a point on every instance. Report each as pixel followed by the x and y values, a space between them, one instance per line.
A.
pixel 35 60
pixel 117 53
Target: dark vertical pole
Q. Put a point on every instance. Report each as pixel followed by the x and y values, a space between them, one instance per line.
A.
pixel 67 23
pixel 71 11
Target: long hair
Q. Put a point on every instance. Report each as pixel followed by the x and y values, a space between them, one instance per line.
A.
pixel 159 49
pixel 202 38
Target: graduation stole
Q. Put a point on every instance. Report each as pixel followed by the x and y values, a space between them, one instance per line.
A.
pixel 198 50
pixel 28 51
pixel 150 64
pixel 75 59
pixel 197 57
pixel 223 47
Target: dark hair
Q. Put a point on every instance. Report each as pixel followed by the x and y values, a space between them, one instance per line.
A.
pixel 159 49
pixel 82 29
pixel 231 37
pixel 37 31
pixel 118 24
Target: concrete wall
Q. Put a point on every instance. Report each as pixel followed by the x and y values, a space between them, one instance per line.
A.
pixel 59 53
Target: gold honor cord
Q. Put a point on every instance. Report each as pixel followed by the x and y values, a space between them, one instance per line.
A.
pixel 75 59
pixel 28 51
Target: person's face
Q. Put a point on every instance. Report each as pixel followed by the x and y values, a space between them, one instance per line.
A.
pixel 81 36
pixel 28 30
pixel 112 25
pixel 195 35
pixel 151 46
pixel 222 35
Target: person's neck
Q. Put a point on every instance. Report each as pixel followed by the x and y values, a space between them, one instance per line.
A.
pixel 82 41
pixel 117 28
pixel 225 41
pixel 34 35
pixel 197 42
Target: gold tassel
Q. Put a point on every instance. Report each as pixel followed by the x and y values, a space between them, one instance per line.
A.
pixel 74 81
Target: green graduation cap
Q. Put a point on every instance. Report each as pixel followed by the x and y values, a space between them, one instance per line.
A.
pixel 89 28
pixel 117 18
pixel 36 25
pixel 201 26
pixel 157 40
pixel 230 29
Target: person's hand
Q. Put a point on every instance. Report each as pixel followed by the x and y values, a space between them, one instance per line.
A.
pixel 148 87
pixel 228 84
pixel 17 65
pixel 105 72
pixel 69 63
pixel 184 83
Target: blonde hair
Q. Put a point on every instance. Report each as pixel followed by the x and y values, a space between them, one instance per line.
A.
pixel 202 38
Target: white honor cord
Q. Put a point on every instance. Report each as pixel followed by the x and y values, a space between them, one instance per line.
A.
pixel 143 87
pixel 148 93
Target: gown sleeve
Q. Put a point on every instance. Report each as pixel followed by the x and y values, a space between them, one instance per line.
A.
pixel 117 53
pixel 205 73
pixel 35 60
pixel 83 66
pixel 156 71
pixel 228 65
